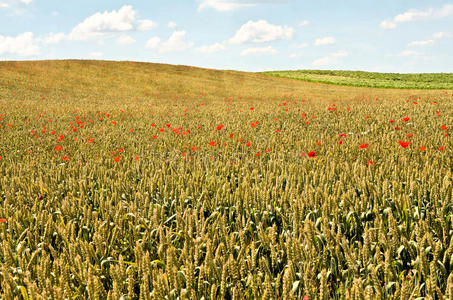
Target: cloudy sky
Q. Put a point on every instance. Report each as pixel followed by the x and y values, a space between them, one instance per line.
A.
pixel 251 35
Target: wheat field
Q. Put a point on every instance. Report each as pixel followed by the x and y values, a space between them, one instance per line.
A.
pixel 124 180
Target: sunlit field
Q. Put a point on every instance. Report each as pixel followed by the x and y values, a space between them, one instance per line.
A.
pixel 123 180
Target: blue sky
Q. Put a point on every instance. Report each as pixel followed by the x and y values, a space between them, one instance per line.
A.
pixel 251 35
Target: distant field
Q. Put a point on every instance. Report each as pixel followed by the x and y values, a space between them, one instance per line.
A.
pixel 125 180
pixel 371 79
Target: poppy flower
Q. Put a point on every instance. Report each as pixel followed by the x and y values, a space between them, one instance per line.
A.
pixel 2 220
pixel 342 134
pixel 364 146
pixel 168 125
pixel 311 154
pixel 370 162
pixel 252 108
pixel 121 150
pixel 302 154
pixel 444 127
pixel 58 148
pixel 52 132
pixel 131 130
pixel 194 148
pixel 231 135
pixel 409 135
pixel 278 131
pixel 184 154
pixel 219 127
pixel 268 150
pixel 1 157
pixel 318 143
pixel 136 158
pixel 340 142
pixel 441 148
pixel 404 144
pixel 406 119
pixel 65 158
pixel 392 121
pixel 113 122
pixel 117 158
pixel 397 128
pixel 161 130
pixel 154 137
pixel 90 140
pixel 257 154
pixel 422 148
pixel 248 144
pixel 212 143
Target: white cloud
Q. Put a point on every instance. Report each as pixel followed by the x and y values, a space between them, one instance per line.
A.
pixel 442 35
pixel 125 40
pixel 328 40
pixel 153 42
pixel 96 54
pixel 295 55
pixel 23 44
pixel 409 53
pixel 229 5
pixel 421 43
pixel 144 25
pixel 388 24
pixel 172 24
pixel 259 51
pixel 99 24
pixel 331 59
pixel 54 38
pixel 261 31
pixel 341 53
pixel 303 45
pixel 323 61
pixel 4 5
pixel 303 23
pixel 176 42
pixel 25 1
pixel 413 15
pixel 211 48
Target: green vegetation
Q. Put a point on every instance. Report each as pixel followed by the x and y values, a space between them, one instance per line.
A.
pixel 371 79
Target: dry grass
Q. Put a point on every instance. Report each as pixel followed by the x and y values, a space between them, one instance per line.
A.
pixel 169 220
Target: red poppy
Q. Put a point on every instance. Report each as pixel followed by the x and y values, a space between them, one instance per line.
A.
pixel 404 144
pixel 370 162
pixel 161 130
pixel 65 158
pixel 231 135
pixel 131 130
pixel 58 148
pixel 311 154
pixel 257 154
pixel 405 119
pixel 168 125
pixel 248 144
pixel 392 121
pixel 60 137
pixel 121 150
pixel 219 127
pixel 113 122
pixel 52 132
pixel 194 148
pixel 212 143
pixel 184 154
pixel 318 143
pixel 136 158
pixel 444 127
pixel 340 142
pixel 253 125
pixel 397 128
pixel 2 220
pixel 441 148
pixel 252 108
pixel 364 146
pixel 342 134
pixel 1 157
pixel 90 140
pixel 278 130
pixel 268 150
pixel 302 154
pixel 409 135
pixel 154 137
pixel 422 148
pixel 117 158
